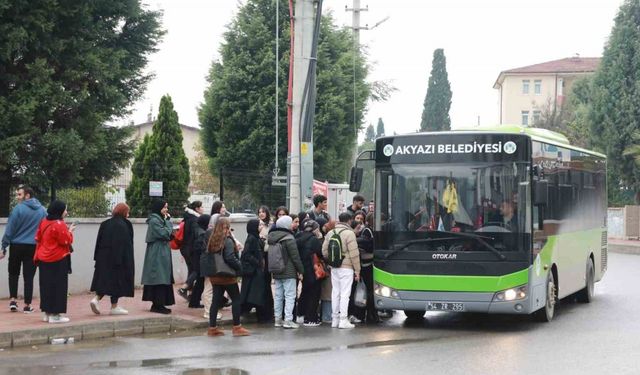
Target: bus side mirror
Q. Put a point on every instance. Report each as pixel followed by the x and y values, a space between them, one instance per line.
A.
pixel 541 193
pixel 355 181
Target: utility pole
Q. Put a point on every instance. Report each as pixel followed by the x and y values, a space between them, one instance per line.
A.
pixel 303 35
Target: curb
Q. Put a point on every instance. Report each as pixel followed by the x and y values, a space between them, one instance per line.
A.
pixel 624 249
pixel 98 330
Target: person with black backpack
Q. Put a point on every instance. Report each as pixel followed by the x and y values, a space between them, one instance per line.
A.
pixel 285 265
pixel 340 250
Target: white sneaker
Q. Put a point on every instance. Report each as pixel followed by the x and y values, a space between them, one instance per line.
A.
pixel 353 319
pixel 94 305
pixel 300 319
pixel 119 311
pixel 219 315
pixel 206 315
pixel 277 323
pixel 335 322
pixel 290 324
pixel 345 324
pixel 58 319
pixel 45 317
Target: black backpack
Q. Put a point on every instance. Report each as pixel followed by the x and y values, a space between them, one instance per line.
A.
pixel 336 254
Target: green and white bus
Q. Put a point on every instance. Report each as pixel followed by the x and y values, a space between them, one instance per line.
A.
pixel 505 220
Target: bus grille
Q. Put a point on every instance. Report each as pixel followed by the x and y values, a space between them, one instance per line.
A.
pixel 603 252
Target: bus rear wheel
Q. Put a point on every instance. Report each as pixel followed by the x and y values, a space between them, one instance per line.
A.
pixel 586 295
pixel 414 315
pixel 548 311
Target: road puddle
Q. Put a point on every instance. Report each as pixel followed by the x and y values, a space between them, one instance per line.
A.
pixel 215 371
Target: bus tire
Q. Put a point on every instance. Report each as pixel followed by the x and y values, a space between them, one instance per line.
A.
pixel 586 295
pixel 414 315
pixel 546 313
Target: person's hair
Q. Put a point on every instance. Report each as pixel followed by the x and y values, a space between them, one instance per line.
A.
pixel 330 225
pixel 345 217
pixel 361 213
pixel 293 217
pixel 121 209
pixel 195 204
pixel 358 198
pixel 267 215
pixel 216 207
pixel 281 208
pixel 317 199
pixel 302 215
pixel 27 191
pixel 369 219
pixel 216 241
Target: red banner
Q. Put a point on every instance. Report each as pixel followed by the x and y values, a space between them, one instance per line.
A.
pixel 320 187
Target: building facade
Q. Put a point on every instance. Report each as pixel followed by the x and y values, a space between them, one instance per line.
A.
pixel 527 92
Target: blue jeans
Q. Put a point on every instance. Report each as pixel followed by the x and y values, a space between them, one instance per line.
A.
pixel 326 311
pixel 285 291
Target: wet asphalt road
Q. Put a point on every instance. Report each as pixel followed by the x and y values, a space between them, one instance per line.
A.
pixel 599 338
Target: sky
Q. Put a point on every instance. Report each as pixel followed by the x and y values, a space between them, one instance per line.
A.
pixel 480 39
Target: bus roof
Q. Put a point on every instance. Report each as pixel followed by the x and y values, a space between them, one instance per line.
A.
pixel 536 134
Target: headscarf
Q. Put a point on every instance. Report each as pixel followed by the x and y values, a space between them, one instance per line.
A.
pixel 284 222
pixel 157 206
pixel 321 223
pixel 203 221
pixel 55 210
pixel 252 227
pixel 310 225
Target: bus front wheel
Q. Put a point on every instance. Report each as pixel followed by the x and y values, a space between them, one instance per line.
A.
pixel 586 294
pixel 414 315
pixel 548 311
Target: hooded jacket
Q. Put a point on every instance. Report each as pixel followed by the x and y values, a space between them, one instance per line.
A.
pixel 294 264
pixel 23 223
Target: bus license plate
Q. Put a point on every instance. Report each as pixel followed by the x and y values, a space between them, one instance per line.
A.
pixel 445 306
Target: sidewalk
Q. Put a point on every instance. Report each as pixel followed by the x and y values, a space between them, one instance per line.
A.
pixel 624 246
pixel 19 329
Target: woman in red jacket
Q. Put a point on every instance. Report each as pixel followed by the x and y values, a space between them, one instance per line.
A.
pixel 53 251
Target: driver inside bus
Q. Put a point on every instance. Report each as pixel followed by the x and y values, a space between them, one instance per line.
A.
pixel 509 217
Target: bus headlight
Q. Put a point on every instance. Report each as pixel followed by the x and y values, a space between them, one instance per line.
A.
pixel 385 291
pixel 512 294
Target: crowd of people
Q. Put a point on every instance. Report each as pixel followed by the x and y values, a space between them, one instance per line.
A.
pixel 294 268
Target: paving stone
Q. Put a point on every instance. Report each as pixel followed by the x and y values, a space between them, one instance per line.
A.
pixel 97 330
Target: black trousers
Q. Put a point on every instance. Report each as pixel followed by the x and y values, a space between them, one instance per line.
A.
pixel 186 254
pixel 54 284
pixel 21 255
pixel 218 303
pixel 196 292
pixel 311 289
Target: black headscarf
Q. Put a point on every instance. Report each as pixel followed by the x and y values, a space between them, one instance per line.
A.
pixel 203 221
pixel 252 227
pixel 55 210
pixel 321 222
pixel 157 206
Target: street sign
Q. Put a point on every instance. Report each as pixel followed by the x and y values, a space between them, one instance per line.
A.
pixel 155 188
pixel 278 180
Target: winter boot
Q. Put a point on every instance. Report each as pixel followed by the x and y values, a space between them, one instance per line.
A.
pixel 215 331
pixel 240 331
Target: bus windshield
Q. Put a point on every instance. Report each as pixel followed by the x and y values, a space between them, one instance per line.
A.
pixel 456 207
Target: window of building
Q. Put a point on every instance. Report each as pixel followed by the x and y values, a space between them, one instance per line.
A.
pixel 525 86
pixel 536 117
pixel 537 86
pixel 525 117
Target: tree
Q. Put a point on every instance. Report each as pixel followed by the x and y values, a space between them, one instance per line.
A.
pixel 237 115
pixel 569 117
pixel 202 180
pixel 613 115
pixel 370 135
pixel 160 157
pixel 66 69
pixel 435 115
pixel 380 129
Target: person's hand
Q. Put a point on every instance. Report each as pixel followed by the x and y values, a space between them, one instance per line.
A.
pixel 300 276
pixel 3 253
pixel 356 276
pixel 72 227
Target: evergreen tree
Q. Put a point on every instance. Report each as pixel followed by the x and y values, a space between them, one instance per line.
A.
pixel 237 116
pixel 161 158
pixel 613 115
pixel 437 102
pixel 380 129
pixel 66 69
pixel 370 135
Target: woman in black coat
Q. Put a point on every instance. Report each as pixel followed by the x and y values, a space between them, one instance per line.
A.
pixel 308 241
pixel 253 280
pixel 201 239
pixel 114 269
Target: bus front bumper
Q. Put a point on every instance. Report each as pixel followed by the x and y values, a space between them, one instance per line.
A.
pixel 453 302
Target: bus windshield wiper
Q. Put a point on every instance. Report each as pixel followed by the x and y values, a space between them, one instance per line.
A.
pixel 480 239
pixel 414 242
